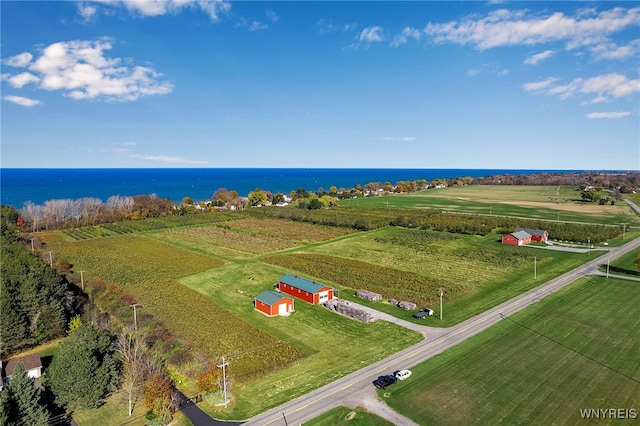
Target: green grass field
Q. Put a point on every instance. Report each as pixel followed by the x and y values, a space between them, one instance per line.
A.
pixel 343 416
pixel 536 202
pixel 577 349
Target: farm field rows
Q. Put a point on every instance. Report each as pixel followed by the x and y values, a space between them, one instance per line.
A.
pixel 476 273
pixel 576 349
pixel 545 202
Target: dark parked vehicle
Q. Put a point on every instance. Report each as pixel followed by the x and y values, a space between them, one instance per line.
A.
pixel 383 381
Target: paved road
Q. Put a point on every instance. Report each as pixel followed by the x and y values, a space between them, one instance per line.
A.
pixel 355 389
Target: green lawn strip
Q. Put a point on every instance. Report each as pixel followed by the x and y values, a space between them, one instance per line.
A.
pixel 340 416
pixel 623 265
pixel 327 339
pixel 575 349
pixel 112 413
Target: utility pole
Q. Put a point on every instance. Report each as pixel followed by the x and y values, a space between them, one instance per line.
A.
pixel 82 280
pixel 32 248
pixel 440 303
pixel 224 380
pixel 50 259
pixel 135 317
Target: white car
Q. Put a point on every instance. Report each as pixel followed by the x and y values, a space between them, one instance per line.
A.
pixel 402 374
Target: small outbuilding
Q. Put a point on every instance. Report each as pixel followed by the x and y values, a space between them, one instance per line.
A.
pixel 518 238
pixel 31 363
pixel 272 304
pixel 307 290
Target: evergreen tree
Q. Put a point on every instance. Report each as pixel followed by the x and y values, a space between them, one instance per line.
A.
pixel 20 402
pixel 84 370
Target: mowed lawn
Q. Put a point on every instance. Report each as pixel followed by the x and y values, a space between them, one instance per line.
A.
pixel 346 416
pixel 624 265
pixel 576 349
pixel 538 202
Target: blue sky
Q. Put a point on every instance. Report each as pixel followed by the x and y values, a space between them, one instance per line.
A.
pixel 185 83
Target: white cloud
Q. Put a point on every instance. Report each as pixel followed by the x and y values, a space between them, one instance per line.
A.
pixel 371 34
pixel 612 51
pixel 21 79
pixel 534 59
pixel 167 159
pixel 605 87
pixel 327 26
pixel 611 114
pixel 402 139
pixel 272 16
pixel 87 11
pixel 257 26
pixel 81 70
pixel 537 85
pixel 22 101
pixel 489 68
pixel 405 35
pixel 21 60
pixel 507 28
pixel 214 8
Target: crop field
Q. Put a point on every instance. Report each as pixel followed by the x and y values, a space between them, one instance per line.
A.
pixel 476 273
pixel 325 338
pixel 288 230
pixel 223 242
pixel 537 202
pixel 150 270
pixel 576 349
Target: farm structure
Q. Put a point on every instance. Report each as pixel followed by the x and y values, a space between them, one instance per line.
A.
pixel 31 363
pixel 518 238
pixel 539 235
pixel 307 290
pixel 272 304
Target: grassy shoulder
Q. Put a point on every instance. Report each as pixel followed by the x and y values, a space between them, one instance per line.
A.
pixel 340 416
pixel 576 349
pixel 624 265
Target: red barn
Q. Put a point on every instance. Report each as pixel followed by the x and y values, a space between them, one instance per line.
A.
pixel 302 288
pixel 271 303
pixel 519 238
pixel 539 235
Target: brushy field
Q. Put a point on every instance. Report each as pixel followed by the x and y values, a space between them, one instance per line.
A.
pixel 288 229
pixel 327 339
pixel 475 273
pixel 576 349
pixel 340 416
pixel 150 270
pixel 536 202
pixel 224 243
